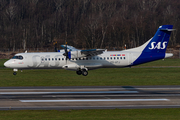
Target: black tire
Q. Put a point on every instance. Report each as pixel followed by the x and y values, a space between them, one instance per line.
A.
pixel 14 73
pixel 84 72
pixel 79 72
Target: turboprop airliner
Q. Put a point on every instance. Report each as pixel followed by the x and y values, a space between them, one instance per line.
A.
pixel 82 61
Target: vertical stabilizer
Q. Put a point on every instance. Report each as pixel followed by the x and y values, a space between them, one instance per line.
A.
pixel 159 42
pixel 156 47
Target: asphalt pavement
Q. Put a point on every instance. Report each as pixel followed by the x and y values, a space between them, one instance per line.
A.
pixel 89 97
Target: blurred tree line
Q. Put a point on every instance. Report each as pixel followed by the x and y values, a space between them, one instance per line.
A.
pixel 85 23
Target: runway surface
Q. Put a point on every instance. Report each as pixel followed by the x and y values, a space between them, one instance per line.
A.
pixel 111 97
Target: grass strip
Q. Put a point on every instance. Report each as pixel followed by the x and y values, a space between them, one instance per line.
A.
pixel 100 77
pixel 110 114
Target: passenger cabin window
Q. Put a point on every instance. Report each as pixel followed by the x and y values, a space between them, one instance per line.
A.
pixel 18 57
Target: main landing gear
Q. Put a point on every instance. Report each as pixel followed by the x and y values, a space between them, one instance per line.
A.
pixel 84 72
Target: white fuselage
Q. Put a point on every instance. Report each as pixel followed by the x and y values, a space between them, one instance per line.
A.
pixel 55 60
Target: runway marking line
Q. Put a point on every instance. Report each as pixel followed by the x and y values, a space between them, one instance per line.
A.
pixel 96 100
pixel 87 92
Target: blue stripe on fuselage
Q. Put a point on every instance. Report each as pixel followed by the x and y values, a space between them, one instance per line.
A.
pixel 148 57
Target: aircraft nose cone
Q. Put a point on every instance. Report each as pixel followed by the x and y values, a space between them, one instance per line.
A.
pixel 6 64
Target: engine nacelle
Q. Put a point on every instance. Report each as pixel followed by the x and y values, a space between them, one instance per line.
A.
pixel 75 54
pixel 71 67
pixel 74 67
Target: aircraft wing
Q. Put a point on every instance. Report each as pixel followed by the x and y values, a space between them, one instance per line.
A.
pixel 92 52
pixel 77 53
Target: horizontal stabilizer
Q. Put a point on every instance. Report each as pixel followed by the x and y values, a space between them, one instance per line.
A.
pixel 168 30
pixel 167 55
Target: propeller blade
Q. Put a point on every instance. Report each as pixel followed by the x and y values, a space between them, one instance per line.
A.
pixel 66 53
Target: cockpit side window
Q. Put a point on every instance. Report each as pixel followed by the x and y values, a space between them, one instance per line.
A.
pixel 18 57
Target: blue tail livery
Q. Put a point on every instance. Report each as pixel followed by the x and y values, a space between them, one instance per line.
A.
pixel 156 47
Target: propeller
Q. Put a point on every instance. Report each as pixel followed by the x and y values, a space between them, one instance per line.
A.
pixel 66 52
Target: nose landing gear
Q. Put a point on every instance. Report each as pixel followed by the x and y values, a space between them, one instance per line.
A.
pixel 15 71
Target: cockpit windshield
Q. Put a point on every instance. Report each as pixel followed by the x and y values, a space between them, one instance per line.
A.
pixel 18 57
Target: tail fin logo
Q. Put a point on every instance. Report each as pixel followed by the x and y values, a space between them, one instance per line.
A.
pixel 159 45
